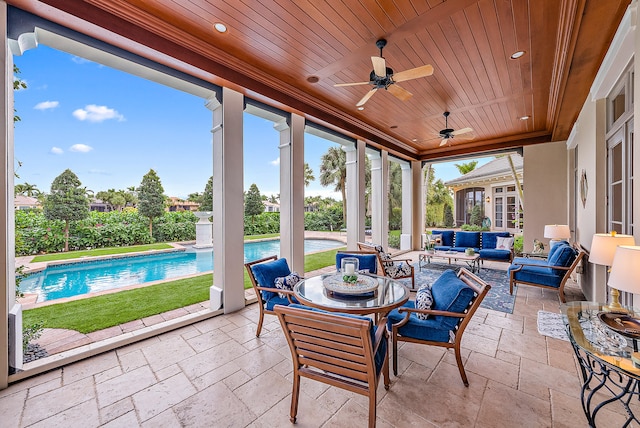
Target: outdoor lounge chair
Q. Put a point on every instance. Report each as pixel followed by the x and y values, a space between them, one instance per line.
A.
pixel 455 298
pixel 389 266
pixel 346 351
pixel 263 274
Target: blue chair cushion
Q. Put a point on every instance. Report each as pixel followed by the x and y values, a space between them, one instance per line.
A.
pixel 530 261
pixel 555 248
pixel 429 329
pixel 541 275
pixel 366 261
pixel 563 255
pixel 447 237
pixel 467 240
pixel 266 274
pixel 450 294
pixel 489 239
pixel 494 254
pixel 442 247
pixel 277 300
pixel 380 356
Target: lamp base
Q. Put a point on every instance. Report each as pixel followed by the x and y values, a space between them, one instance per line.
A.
pixel 615 305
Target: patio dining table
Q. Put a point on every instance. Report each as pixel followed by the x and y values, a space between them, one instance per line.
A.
pixel 386 295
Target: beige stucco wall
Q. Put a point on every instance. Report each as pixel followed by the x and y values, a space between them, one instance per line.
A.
pixel 545 173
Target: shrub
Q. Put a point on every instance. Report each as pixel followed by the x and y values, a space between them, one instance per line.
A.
pixel 476 215
pixel 473 228
pixel 518 245
pixel 448 216
pixel 394 240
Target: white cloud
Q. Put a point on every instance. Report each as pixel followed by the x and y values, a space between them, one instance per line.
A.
pixel 275 162
pixel 82 148
pixel 94 113
pixel 46 105
pixel 56 151
pixel 80 60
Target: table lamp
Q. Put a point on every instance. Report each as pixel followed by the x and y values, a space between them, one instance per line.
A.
pixel 603 248
pixel 624 270
pixel 557 233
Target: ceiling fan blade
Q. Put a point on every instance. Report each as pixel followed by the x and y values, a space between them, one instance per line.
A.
pixel 351 84
pixel 366 97
pixel 399 92
pixel 379 66
pixel 462 131
pixel 443 142
pixel 414 73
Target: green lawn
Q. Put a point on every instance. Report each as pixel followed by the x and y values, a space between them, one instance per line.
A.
pixel 100 312
pixel 100 252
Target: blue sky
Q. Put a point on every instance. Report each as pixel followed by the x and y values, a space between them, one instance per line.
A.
pixel 110 128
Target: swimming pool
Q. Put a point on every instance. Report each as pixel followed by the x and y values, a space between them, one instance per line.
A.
pixel 73 279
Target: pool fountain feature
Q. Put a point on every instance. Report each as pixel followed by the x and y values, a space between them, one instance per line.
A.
pixel 204 230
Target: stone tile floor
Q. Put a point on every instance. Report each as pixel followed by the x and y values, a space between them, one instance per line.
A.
pixel 217 373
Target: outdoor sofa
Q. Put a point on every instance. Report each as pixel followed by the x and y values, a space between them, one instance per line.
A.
pixel 483 243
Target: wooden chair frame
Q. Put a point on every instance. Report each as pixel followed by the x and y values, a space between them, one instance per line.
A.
pixel 335 350
pixel 370 248
pixel 560 289
pixel 257 288
pixel 480 289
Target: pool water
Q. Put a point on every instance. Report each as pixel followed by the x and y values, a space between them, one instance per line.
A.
pixel 73 279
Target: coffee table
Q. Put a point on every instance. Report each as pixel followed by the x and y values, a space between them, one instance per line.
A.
pixel 472 261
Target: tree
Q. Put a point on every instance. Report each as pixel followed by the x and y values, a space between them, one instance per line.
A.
pixel 116 199
pixel 26 189
pixel 151 198
pixel 448 216
pixel 464 168
pixel 308 175
pixel 253 204
pixel 334 172
pixel 206 203
pixel 67 201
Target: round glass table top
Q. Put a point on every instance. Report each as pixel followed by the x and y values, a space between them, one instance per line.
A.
pixel 388 294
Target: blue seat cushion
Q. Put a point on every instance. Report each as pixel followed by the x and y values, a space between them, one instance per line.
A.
pixel 450 294
pixel 530 261
pixel 380 356
pixel 277 300
pixel 366 261
pixel 447 237
pixel 442 247
pixel 463 249
pixel 266 274
pixel 493 254
pixel 489 239
pixel 541 275
pixel 467 240
pixel 429 329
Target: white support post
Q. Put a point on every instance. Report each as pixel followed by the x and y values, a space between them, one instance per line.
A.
pixel 228 202
pixel 292 191
pixel 379 199
pixel 355 165
pixel 407 203
pixel 417 206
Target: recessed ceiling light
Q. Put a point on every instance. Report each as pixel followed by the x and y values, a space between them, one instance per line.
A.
pixel 517 54
pixel 393 126
pixel 220 27
pixel 360 108
pixel 313 79
pixel 524 117
pixel 414 140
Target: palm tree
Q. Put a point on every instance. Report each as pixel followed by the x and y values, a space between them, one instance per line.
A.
pixel 464 168
pixel 27 189
pixel 333 171
pixel 308 175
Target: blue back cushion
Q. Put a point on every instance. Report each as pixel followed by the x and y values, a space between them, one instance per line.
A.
pixel 555 248
pixel 367 261
pixel 489 239
pixel 450 294
pixel 266 274
pixel 563 255
pixel 468 239
pixel 447 236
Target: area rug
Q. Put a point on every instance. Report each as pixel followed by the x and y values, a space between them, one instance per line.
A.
pixel 498 297
pixel 551 324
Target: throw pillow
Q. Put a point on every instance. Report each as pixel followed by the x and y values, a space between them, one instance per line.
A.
pixel 435 239
pixel 424 300
pixel 287 283
pixel 503 243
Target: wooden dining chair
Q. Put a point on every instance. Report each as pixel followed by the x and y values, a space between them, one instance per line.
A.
pixel 390 266
pixel 346 351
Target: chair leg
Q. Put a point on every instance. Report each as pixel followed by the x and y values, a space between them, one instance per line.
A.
pixel 385 371
pixel 460 366
pixel 294 397
pixel 259 329
pixel 394 344
pixel 372 409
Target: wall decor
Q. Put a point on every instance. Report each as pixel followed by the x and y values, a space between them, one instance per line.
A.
pixel 584 188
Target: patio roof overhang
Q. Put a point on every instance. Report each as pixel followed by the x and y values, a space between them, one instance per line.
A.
pixel 289 55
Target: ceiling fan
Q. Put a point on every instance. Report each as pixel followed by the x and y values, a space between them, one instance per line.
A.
pixel 382 77
pixel 448 134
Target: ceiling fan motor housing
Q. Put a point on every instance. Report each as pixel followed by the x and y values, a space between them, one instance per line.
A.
pixel 381 82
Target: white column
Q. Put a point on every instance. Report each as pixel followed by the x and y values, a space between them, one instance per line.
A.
pixel 7 219
pixel 417 206
pixel 379 198
pixel 407 213
pixel 228 202
pixel 292 191
pixel 355 191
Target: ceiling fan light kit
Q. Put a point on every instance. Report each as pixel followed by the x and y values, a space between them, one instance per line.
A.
pixel 383 77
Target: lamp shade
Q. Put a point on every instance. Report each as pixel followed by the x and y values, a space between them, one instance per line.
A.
pixel 603 247
pixel 557 231
pixel 624 270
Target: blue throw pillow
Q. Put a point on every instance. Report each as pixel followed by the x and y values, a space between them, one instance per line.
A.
pixel 287 283
pixel 424 300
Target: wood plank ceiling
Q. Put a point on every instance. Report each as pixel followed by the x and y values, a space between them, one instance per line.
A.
pixel 290 53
